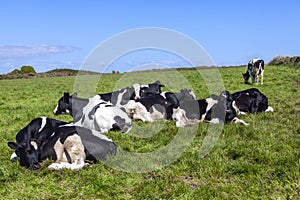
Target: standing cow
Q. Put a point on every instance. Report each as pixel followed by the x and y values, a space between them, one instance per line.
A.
pixel 255 68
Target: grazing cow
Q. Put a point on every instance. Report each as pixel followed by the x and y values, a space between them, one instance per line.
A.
pixel 255 67
pixel 216 109
pixel 69 146
pixel 158 106
pixel 123 96
pixel 39 129
pixel 93 113
pixel 251 101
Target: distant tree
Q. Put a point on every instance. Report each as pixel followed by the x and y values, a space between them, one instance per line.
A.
pixel 27 69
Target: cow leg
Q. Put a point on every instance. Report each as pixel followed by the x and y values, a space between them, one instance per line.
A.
pixel 252 78
pixel 237 120
pixel 256 79
pixel 269 109
pixel 262 77
pixel 75 150
pixel 70 155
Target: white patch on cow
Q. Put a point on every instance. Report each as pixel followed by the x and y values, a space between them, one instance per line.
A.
pixel 137 89
pixel 269 109
pixel 210 102
pixel 236 108
pixel 139 112
pixel 34 144
pixel 44 121
pixel 120 97
pixel 180 118
pixel 163 94
pixel 254 60
pixel 193 94
pixel 98 97
pixel 104 118
pixel 215 121
pixel 70 124
pixel 72 147
pixel 55 109
pixel 52 134
pixel 157 114
pixel 13 157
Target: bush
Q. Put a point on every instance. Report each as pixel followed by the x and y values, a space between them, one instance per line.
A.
pixel 16 71
pixel 27 69
pixel 285 60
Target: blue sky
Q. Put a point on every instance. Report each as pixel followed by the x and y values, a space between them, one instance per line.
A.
pixel 53 34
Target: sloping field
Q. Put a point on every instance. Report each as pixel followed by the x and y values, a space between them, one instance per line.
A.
pixel 261 161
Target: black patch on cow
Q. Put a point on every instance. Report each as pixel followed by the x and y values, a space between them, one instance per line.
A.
pixel 119 125
pixel 123 109
pixel 93 111
pixel 157 107
pixel 83 119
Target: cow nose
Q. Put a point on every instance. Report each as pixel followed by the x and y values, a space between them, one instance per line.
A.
pixel 35 166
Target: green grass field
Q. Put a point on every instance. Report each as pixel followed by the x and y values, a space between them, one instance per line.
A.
pixel 261 161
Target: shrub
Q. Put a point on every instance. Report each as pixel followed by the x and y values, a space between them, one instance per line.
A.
pixel 27 69
pixel 285 60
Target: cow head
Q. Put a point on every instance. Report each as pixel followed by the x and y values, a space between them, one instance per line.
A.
pixel 180 118
pixel 151 89
pixel 64 105
pixel 246 77
pixel 27 153
pixel 223 109
pixel 185 94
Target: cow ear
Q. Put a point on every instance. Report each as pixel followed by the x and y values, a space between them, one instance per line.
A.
pixel 66 97
pixel 12 145
pixel 215 97
pixel 75 94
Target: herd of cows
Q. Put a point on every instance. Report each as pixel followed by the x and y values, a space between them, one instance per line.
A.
pixel 83 141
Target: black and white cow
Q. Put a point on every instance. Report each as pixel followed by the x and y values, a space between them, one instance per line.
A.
pixel 255 68
pixel 68 145
pixel 93 113
pixel 39 130
pixel 216 109
pixel 251 101
pixel 158 106
pixel 151 89
pixel 122 96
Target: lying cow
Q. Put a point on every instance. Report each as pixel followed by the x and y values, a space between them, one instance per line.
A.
pixel 255 67
pixel 70 146
pixel 158 106
pixel 216 109
pixel 251 101
pixel 93 113
pixel 123 96
pixel 39 130
pixel 151 89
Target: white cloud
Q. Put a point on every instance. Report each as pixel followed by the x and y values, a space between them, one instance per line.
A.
pixel 14 51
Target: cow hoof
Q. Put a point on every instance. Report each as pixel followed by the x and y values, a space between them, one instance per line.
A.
pixel 54 166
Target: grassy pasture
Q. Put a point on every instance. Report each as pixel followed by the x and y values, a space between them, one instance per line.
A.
pixel 261 161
